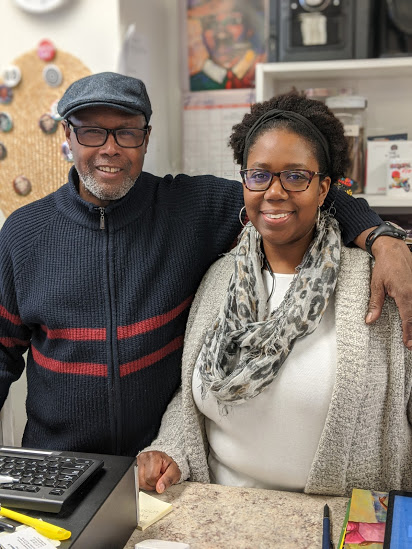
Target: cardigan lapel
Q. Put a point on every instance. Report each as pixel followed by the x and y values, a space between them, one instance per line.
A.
pixel 328 471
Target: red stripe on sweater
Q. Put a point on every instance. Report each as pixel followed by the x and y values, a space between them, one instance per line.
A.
pixel 76 334
pixel 14 319
pixel 152 323
pixel 13 342
pixel 148 360
pixel 81 368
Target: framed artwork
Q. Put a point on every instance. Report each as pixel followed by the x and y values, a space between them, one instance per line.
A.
pixel 225 40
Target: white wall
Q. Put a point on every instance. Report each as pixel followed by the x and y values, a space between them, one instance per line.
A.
pixel 158 28
pixel 93 30
pixel 88 29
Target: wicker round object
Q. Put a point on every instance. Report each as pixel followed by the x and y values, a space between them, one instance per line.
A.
pixel 34 164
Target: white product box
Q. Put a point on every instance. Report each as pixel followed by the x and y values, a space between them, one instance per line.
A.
pixel 379 155
pixel 400 178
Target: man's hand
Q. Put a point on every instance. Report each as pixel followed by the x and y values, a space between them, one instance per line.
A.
pixel 157 471
pixel 392 275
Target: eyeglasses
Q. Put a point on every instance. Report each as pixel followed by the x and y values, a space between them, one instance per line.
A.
pixel 92 136
pixel 291 180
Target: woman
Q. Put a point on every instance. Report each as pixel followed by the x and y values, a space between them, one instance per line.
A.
pixel 283 385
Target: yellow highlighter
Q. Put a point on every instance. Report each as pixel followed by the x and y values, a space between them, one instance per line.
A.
pixel 45 528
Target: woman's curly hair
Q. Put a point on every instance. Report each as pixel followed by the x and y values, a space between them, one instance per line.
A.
pixel 316 112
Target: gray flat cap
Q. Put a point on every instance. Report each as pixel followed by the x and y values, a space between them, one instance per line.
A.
pixel 106 89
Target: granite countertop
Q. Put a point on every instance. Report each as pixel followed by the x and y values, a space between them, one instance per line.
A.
pixel 210 516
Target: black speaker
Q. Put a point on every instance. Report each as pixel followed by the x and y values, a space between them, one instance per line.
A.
pixel 312 30
pixel 394 34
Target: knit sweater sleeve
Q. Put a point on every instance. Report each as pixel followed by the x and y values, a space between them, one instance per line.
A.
pixel 353 214
pixel 212 207
pixel 170 438
pixel 14 335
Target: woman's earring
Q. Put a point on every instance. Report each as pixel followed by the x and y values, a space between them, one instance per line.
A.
pixel 240 216
pixel 318 217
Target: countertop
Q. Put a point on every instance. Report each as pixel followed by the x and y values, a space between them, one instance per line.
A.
pixel 210 516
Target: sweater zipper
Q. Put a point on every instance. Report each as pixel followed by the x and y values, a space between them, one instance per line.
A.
pixel 112 373
pixel 102 223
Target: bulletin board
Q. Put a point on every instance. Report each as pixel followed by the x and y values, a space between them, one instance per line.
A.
pixel 30 152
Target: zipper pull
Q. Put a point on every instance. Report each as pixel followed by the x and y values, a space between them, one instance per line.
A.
pixel 102 224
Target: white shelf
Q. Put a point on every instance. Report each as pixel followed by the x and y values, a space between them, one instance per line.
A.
pixel 384 201
pixel 386 83
pixel 359 69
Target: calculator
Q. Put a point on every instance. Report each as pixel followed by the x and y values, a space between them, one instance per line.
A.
pixel 43 480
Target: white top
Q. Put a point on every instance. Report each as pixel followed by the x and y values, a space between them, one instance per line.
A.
pixel 270 441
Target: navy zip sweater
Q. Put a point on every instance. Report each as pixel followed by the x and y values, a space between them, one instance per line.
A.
pixel 100 299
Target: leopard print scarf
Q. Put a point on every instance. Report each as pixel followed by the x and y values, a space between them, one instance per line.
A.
pixel 245 347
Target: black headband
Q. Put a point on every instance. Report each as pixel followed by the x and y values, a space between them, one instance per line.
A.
pixel 278 113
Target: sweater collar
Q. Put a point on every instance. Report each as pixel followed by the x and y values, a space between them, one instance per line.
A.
pixel 118 214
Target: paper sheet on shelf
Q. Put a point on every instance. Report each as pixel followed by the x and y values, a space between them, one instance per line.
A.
pixel 208 118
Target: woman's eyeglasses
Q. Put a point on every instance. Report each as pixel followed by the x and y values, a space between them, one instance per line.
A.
pixel 93 136
pixel 291 180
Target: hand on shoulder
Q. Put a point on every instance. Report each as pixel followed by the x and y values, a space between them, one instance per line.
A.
pixel 392 275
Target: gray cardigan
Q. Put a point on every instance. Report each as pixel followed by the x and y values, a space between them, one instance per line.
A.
pixel 367 438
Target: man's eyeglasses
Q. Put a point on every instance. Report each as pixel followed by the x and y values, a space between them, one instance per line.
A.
pixel 291 180
pixel 93 136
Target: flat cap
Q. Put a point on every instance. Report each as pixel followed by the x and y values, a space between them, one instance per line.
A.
pixel 106 89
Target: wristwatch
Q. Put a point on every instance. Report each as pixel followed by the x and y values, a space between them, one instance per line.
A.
pixel 384 229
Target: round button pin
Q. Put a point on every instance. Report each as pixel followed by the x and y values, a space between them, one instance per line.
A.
pixel 6 122
pixel 52 75
pixel 46 50
pixel 3 151
pixel 12 76
pixel 6 94
pixel 22 185
pixel 48 124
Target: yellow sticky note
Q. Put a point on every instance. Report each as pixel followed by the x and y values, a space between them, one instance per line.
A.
pixel 151 510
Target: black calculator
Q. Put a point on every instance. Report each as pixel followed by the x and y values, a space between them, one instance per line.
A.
pixel 42 480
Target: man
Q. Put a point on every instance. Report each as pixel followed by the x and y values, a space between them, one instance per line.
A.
pixel 96 279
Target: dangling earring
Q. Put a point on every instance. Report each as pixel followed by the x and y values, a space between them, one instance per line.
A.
pixel 318 217
pixel 240 216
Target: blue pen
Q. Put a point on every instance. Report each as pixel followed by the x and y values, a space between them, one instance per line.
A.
pixel 326 539
pixel 6 527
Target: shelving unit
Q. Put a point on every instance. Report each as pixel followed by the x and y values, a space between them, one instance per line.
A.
pixel 387 204
pixel 387 83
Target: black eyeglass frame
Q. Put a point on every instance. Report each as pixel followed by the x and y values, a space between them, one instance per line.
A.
pixel 278 174
pixel 108 132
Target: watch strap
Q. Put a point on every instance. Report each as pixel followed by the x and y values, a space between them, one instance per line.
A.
pixel 384 229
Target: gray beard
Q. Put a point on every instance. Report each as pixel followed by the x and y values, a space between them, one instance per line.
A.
pixel 94 188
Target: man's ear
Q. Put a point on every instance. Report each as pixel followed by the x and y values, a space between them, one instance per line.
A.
pixel 67 132
pixel 146 139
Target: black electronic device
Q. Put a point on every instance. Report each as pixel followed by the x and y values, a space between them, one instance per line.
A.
pixel 43 480
pixel 394 28
pixel 398 530
pixel 312 30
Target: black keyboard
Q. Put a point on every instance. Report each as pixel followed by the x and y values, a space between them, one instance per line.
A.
pixel 44 480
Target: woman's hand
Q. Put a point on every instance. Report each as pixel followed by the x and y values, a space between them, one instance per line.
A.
pixel 157 471
pixel 392 275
